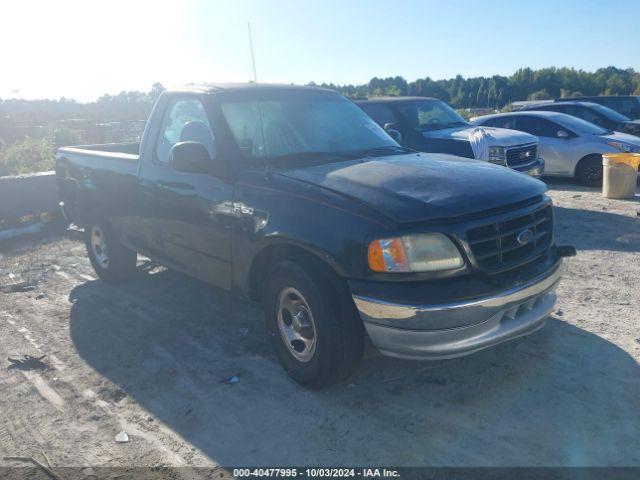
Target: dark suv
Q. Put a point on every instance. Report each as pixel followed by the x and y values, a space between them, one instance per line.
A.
pixel 627 105
pixel 594 113
pixel 430 125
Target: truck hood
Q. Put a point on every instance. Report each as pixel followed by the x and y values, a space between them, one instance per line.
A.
pixel 422 187
pixel 497 136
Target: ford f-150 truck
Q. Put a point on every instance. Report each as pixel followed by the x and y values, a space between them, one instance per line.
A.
pixel 295 198
pixel 430 125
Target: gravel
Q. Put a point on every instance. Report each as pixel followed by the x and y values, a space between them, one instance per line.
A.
pixel 147 358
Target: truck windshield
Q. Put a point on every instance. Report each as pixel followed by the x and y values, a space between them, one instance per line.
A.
pixel 431 115
pixel 305 125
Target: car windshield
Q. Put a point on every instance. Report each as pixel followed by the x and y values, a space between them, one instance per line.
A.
pixel 431 115
pixel 610 113
pixel 302 125
pixel 582 126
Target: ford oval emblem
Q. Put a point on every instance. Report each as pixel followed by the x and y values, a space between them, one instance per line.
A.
pixel 524 237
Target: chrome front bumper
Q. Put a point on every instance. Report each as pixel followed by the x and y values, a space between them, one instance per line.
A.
pixel 487 321
pixel 534 169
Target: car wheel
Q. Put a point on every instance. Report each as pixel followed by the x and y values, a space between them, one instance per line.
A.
pixel 315 332
pixel 111 260
pixel 589 171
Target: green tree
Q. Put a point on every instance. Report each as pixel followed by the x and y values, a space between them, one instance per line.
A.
pixel 30 155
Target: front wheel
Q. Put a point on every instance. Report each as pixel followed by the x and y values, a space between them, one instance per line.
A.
pixel 111 260
pixel 589 171
pixel 315 332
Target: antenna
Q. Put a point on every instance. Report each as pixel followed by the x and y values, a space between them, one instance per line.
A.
pixel 253 58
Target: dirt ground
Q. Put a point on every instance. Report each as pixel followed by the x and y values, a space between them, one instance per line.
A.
pixel 150 358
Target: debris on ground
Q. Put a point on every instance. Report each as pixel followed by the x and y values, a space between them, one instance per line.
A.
pixel 37 463
pixel 233 379
pixel 122 437
pixel 243 332
pixel 27 362
pixel 113 394
pixel 17 287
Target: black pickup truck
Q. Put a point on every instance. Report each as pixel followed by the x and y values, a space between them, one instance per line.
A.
pixel 294 197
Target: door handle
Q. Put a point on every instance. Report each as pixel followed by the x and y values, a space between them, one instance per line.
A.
pixel 175 185
pixel 145 182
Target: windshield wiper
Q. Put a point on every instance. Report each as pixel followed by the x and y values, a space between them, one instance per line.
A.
pixel 310 157
pixel 384 150
pixel 440 126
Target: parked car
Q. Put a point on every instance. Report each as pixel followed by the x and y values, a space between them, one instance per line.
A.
pixel 570 146
pixel 594 113
pixel 430 125
pixel 627 105
pixel 295 198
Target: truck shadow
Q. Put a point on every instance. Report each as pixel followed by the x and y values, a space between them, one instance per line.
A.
pixel 562 396
pixel 594 230
pixel 572 185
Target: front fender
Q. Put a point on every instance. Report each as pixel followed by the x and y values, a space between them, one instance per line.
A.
pixel 304 219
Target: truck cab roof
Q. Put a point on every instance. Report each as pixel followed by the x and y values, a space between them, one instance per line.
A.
pixel 394 99
pixel 231 87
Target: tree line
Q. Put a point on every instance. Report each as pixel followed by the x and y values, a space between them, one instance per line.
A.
pixel 498 91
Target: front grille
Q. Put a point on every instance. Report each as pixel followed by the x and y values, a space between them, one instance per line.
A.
pixel 522 155
pixel 495 246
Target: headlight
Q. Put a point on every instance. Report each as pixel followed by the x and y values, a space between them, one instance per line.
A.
pixel 624 147
pixel 427 252
pixel 497 156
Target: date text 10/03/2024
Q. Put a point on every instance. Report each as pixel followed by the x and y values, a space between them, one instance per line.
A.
pixel 316 472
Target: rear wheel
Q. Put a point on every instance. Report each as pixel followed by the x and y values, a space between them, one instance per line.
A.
pixel 589 171
pixel 316 333
pixel 111 260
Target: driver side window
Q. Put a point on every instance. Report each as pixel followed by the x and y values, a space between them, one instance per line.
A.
pixel 537 126
pixel 184 121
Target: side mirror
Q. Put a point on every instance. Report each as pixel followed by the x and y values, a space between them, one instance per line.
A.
pixel 190 157
pixel 393 132
pixel 562 134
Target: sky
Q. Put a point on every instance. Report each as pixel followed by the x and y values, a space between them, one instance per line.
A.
pixel 83 49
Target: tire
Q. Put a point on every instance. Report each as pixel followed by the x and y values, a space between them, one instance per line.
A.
pixel 314 329
pixel 589 171
pixel 112 261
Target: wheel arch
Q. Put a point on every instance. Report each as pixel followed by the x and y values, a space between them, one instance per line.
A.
pixel 282 250
pixel 584 158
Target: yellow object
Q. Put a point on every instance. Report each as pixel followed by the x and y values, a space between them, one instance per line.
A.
pixel 619 174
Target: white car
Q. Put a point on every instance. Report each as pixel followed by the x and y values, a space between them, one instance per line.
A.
pixel 570 146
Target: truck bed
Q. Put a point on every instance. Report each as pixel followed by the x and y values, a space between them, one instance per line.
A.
pixel 124 151
pixel 106 170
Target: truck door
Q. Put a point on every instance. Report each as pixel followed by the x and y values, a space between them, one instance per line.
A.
pixel 189 215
